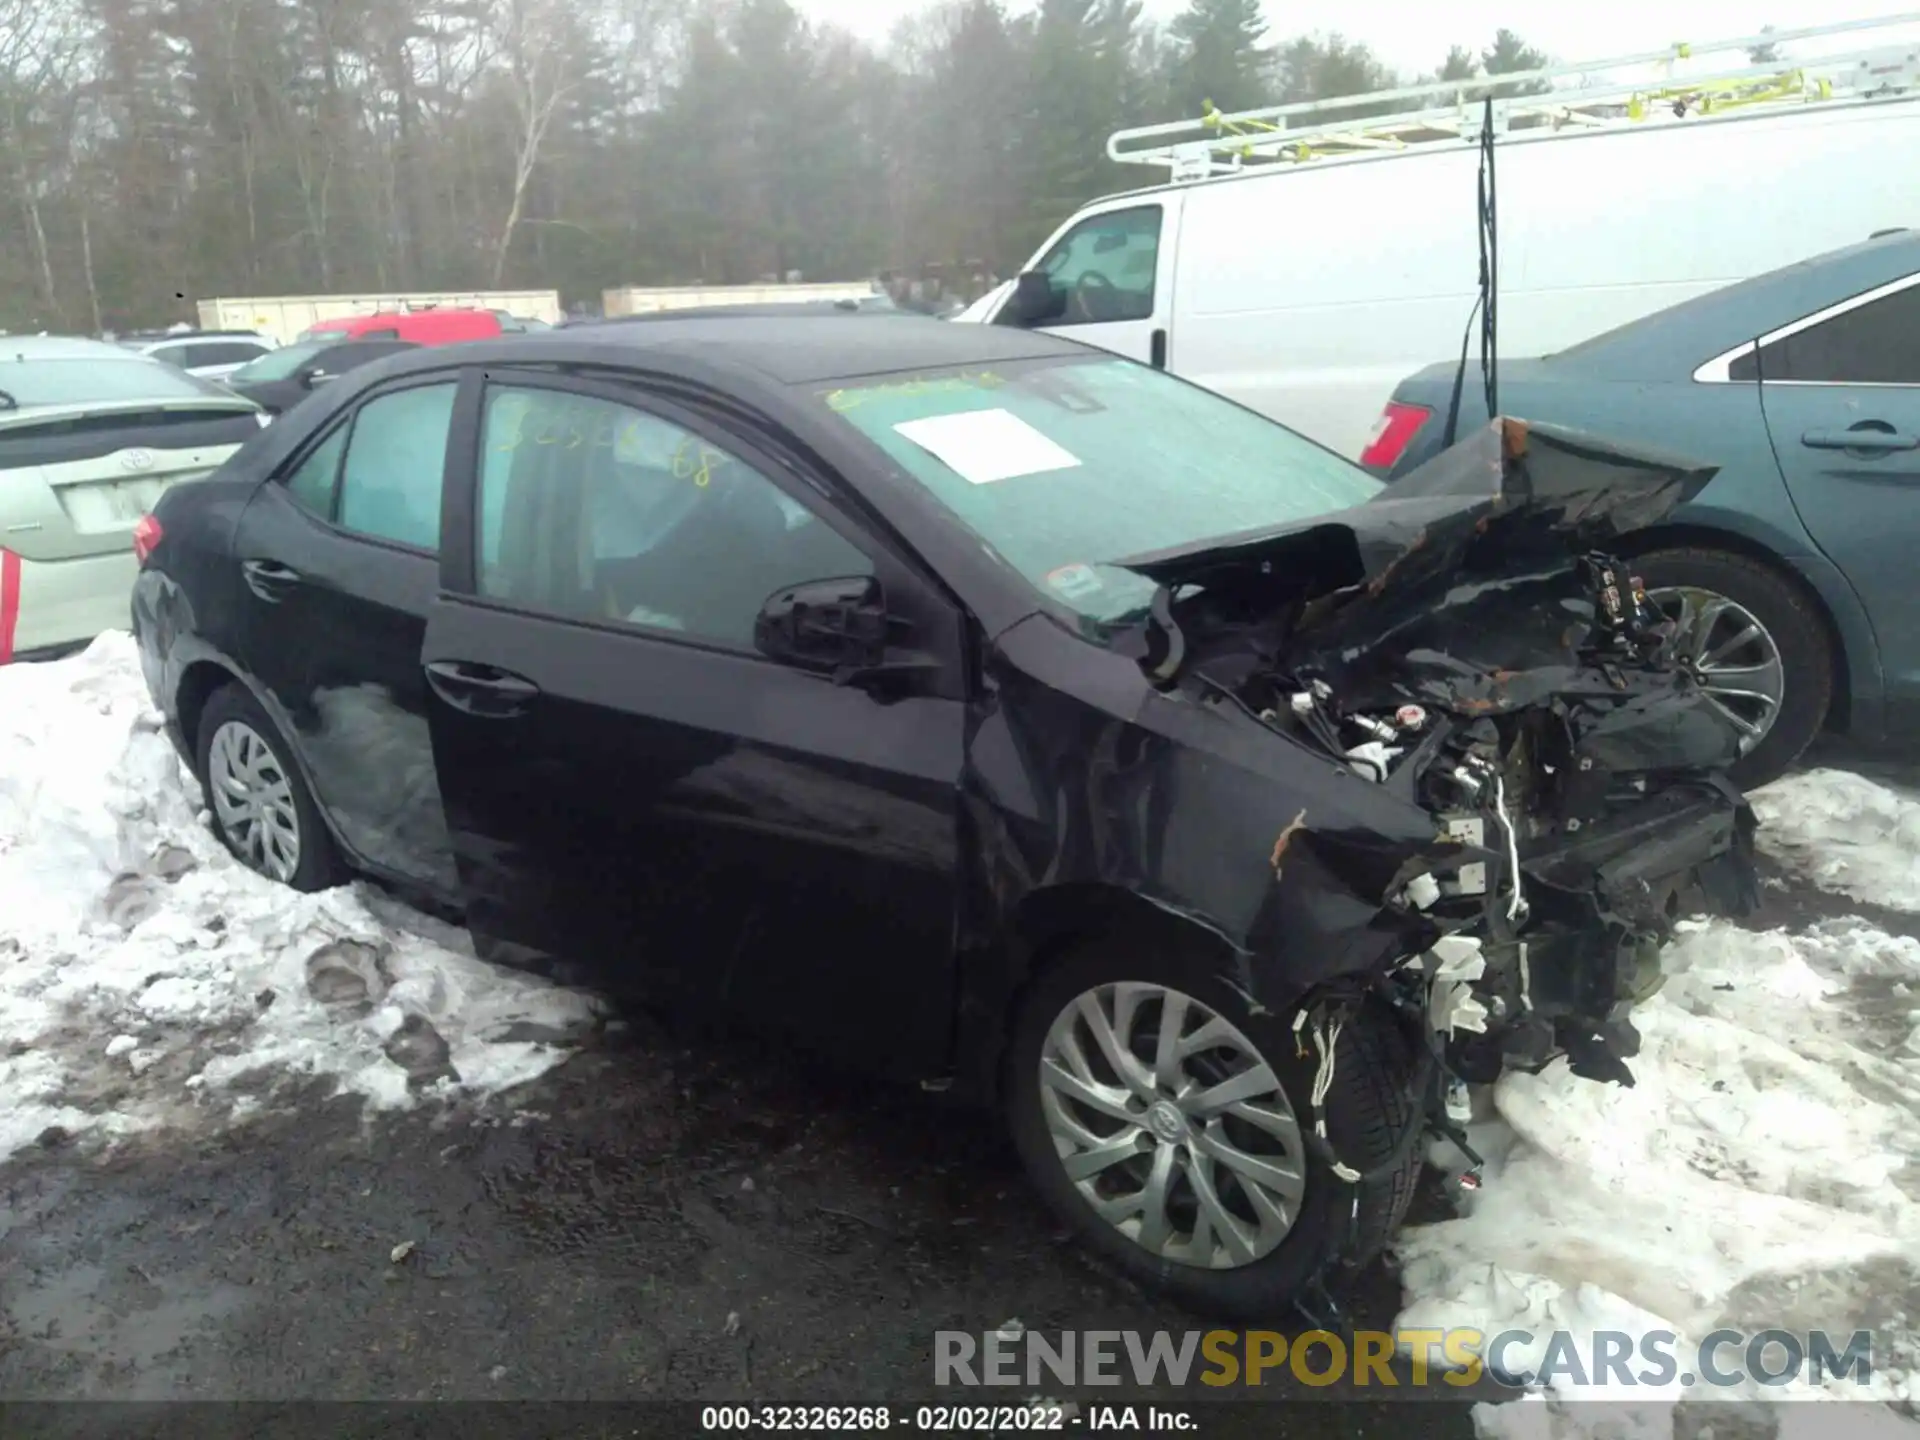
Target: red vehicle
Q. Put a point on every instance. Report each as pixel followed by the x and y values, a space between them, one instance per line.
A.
pixel 417 327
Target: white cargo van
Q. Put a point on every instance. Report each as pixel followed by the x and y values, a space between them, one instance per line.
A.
pixel 1307 289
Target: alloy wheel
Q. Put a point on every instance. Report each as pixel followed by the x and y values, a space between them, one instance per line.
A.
pixel 253 799
pixel 1171 1125
pixel 1730 654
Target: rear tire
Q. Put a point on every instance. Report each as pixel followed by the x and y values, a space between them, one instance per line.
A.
pixel 261 807
pixel 1794 627
pixel 1369 1109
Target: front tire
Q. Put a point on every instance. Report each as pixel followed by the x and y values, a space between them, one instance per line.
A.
pixel 1764 656
pixel 261 807
pixel 1184 1165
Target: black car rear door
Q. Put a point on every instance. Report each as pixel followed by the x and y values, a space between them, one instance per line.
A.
pixel 339 557
pixel 630 785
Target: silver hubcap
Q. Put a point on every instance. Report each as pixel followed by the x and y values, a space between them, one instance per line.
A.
pixel 1171 1125
pixel 254 800
pixel 1731 655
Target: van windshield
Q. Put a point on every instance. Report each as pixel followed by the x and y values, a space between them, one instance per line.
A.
pixel 1064 467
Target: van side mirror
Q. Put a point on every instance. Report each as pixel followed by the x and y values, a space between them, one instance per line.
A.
pixel 837 626
pixel 1034 300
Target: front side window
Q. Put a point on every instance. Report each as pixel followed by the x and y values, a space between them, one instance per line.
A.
pixel 1063 467
pixel 228 352
pixel 278 364
pixel 1103 269
pixel 593 510
pixel 396 456
pixel 1873 344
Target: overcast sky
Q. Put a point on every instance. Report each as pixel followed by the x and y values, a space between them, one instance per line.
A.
pixel 1413 35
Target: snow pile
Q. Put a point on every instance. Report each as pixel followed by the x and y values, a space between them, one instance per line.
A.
pixel 1846 834
pixel 1764 1171
pixel 148 979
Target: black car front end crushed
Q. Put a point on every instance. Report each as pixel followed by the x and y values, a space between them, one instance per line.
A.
pixel 1467 644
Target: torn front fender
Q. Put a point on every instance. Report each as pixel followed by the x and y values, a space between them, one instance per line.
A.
pixel 1095 802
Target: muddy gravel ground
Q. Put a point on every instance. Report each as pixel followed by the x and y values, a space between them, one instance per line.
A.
pixel 655 1220
pixel 663 1217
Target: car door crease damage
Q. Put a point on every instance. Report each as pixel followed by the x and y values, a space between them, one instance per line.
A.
pixel 1402 787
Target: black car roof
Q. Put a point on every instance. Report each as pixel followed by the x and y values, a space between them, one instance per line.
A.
pixel 787 349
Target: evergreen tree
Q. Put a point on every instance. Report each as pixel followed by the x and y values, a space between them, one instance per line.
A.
pixel 1218 57
pixel 1508 55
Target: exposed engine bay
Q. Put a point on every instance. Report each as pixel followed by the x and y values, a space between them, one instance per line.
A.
pixel 1468 643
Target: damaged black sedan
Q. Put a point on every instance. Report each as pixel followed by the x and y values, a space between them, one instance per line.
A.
pixel 990 712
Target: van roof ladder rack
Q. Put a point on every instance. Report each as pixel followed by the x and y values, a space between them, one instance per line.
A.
pixel 1583 95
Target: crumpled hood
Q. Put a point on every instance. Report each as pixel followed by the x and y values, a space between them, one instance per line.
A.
pixel 1511 497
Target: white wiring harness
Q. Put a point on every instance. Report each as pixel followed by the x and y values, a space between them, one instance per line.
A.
pixel 1326 1040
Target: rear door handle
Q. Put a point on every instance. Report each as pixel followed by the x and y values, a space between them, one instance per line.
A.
pixel 483 690
pixel 1868 436
pixel 269 579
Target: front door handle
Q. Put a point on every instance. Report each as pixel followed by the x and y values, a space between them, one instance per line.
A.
pixel 1875 436
pixel 269 579
pixel 483 690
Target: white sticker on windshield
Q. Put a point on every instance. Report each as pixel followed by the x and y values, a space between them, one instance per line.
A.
pixel 982 446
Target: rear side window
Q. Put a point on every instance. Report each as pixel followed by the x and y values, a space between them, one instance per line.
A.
pixel 1873 344
pixel 312 480
pixel 396 456
pixel 1103 269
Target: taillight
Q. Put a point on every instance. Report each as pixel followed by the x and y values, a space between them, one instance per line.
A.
pixel 146 537
pixel 1392 433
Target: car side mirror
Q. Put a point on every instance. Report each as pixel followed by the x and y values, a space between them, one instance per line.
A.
pixel 836 626
pixel 1034 300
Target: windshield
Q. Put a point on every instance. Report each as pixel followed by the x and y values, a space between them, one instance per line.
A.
pixel 315 335
pixel 1064 467
pixel 280 364
pixel 72 380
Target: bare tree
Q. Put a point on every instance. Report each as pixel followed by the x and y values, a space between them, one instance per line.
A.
pixel 533 45
pixel 40 48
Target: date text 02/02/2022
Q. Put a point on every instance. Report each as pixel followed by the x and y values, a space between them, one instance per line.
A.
pixel 942 1419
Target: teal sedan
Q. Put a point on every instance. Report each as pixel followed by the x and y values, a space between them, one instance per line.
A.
pixel 1795 574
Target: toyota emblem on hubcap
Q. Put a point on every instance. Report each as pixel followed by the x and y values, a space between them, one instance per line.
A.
pixel 1166 1122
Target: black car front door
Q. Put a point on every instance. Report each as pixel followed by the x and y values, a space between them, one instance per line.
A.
pixel 339 555
pixel 631 786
